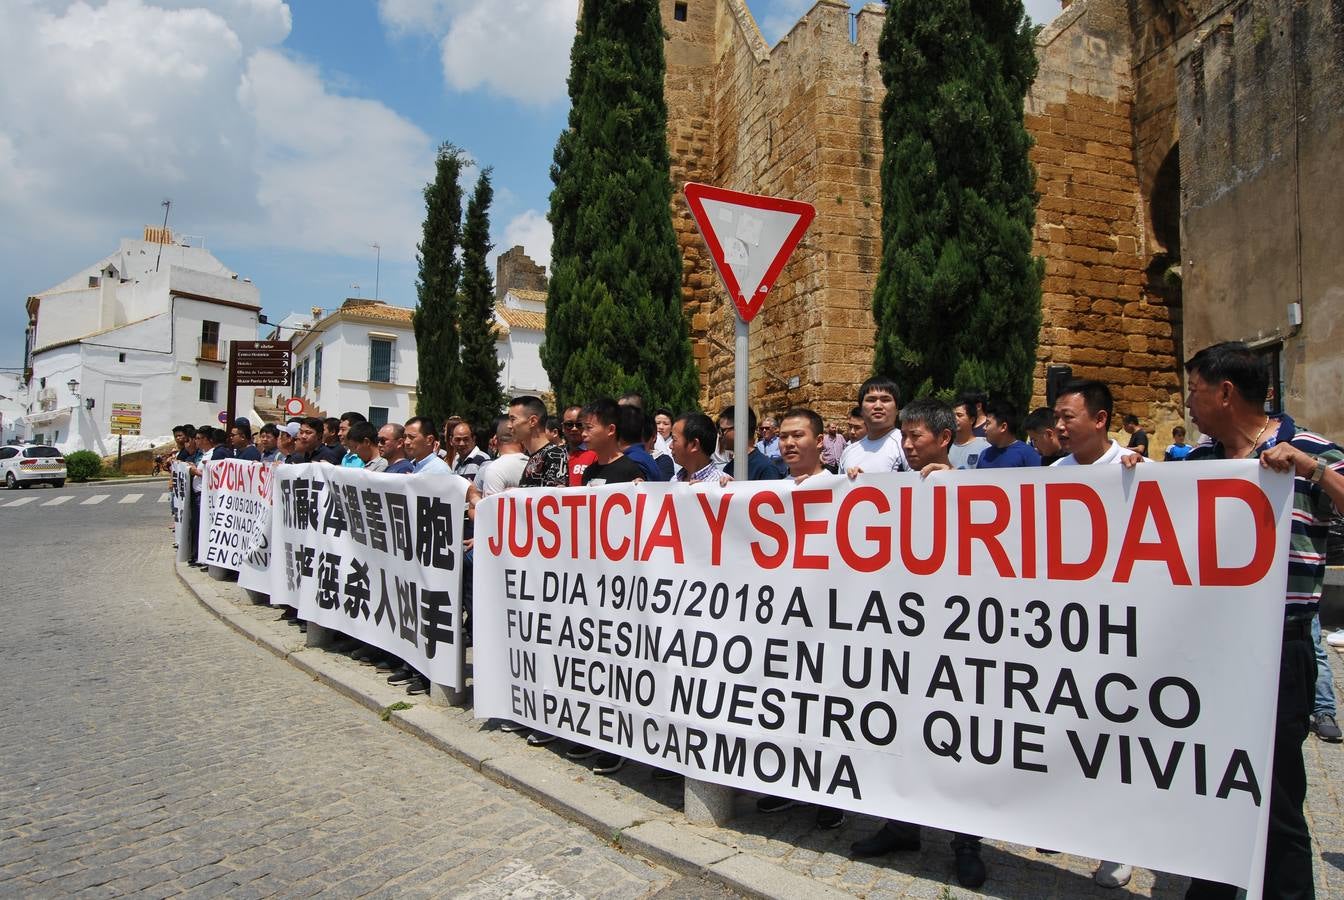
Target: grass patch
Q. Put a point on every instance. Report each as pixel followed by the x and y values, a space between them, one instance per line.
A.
pixel 387 712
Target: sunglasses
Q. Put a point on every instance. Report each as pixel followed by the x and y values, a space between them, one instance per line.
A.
pixel 572 424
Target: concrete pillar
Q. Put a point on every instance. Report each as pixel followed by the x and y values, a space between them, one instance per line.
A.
pixel 321 638
pixel 707 803
pixel 441 695
pixel 221 574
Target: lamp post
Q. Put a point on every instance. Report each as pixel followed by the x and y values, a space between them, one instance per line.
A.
pixel 378 267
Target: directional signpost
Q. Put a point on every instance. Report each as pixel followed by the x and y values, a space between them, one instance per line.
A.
pixel 256 364
pixel 125 419
pixel 750 237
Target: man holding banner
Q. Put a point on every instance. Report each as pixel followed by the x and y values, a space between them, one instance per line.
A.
pixel 1228 387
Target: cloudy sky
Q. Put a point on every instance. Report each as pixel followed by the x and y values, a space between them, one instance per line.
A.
pixel 290 136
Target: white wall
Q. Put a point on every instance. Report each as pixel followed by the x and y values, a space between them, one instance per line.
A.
pixel 523 372
pixel 345 369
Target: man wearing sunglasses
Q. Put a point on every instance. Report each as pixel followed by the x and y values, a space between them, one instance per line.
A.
pixel 392 447
pixel 580 457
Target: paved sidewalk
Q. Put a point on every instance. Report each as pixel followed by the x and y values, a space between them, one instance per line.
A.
pixel 778 855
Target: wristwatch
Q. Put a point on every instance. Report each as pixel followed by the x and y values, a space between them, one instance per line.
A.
pixel 1319 472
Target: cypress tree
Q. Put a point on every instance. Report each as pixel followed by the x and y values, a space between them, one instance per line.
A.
pixel 613 314
pixel 482 396
pixel 958 297
pixel 439 393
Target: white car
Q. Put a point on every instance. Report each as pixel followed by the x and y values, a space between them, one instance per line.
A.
pixel 22 465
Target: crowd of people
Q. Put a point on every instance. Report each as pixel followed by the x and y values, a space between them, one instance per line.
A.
pixel 609 441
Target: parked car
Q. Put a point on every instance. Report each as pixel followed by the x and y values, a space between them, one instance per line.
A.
pixel 31 464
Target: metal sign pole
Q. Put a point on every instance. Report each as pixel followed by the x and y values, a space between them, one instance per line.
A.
pixel 742 420
pixel 232 382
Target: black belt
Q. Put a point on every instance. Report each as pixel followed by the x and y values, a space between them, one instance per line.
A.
pixel 1297 628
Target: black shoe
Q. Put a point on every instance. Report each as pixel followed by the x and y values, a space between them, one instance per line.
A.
pixel 775 804
pixel 829 819
pixel 401 676
pixel 608 764
pixel 364 654
pixel 578 751
pixel 389 664
pixel 539 739
pixel 1326 728
pixel 303 627
pixel 344 645
pixel 289 614
pixel 970 867
pixel 892 837
pixel 419 686
pixel 509 727
pixel 665 775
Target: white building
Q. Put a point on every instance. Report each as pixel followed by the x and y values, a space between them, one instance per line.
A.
pixel 13 405
pixel 360 358
pixel 520 325
pixel 148 325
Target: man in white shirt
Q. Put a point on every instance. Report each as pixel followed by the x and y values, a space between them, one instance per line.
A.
pixel 880 449
pixel 505 470
pixel 966 444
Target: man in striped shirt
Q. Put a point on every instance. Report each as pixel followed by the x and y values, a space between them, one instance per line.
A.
pixel 1228 386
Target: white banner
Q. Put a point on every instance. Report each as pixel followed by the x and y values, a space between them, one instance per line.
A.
pixel 374 556
pixel 180 501
pixel 235 522
pixel 1084 659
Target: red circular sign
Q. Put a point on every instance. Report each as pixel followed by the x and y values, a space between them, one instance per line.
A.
pixel 294 406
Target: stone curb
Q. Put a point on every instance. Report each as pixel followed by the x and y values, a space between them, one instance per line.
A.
pixel 662 839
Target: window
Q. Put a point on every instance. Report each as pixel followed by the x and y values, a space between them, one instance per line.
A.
pixel 42 452
pixel 317 368
pixel 377 416
pixel 679 12
pixel 209 390
pixel 304 380
pixel 296 389
pixel 121 357
pixel 209 340
pixel 41 382
pixel 380 360
pixel 8 452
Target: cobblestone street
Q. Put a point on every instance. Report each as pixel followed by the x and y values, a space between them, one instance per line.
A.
pixel 147 750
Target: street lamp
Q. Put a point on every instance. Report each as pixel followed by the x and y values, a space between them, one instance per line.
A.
pixel 378 267
pixel 73 385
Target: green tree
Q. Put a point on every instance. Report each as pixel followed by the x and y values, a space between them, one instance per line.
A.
pixel 958 297
pixel 482 396
pixel 613 314
pixel 439 393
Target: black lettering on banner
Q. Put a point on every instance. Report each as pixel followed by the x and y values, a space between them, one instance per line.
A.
pixel 287 514
pixel 436 611
pixel 353 516
pixel 357 590
pixel 291 568
pixel 374 521
pixel 333 522
pixel 406 600
pixel 385 606
pixel 399 514
pixel 434 533
pixel 329 580
pixel 303 563
pixel 305 503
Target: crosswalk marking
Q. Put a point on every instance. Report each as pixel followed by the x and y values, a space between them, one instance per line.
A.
pixel 163 498
pixel 130 498
pixel 20 502
pixel 57 501
pixel 95 500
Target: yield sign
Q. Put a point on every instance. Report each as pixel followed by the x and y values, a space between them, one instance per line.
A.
pixel 749 237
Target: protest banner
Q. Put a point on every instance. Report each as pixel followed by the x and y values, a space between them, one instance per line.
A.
pixel 180 500
pixel 374 556
pixel 234 531
pixel 1084 659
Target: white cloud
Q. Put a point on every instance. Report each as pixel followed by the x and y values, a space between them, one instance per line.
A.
pixel 518 49
pixel 533 232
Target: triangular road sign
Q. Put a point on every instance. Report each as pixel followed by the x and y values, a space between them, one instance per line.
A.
pixel 750 238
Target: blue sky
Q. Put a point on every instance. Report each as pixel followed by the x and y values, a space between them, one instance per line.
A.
pixel 290 136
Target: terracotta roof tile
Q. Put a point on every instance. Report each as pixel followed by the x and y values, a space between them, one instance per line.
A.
pixel 521 318
pixel 523 294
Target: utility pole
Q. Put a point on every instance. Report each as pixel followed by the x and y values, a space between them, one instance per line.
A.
pixel 166 204
pixel 378 267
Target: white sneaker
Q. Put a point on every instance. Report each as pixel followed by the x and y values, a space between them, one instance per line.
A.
pixel 1336 639
pixel 1112 874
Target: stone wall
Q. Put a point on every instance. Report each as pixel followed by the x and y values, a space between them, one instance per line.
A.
pixel 1261 106
pixel 515 270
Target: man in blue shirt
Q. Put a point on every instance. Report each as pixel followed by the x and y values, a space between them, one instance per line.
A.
pixel 1005 451
pixel 630 431
pixel 759 466
pixel 240 440
pixel 1179 449
pixel 421 443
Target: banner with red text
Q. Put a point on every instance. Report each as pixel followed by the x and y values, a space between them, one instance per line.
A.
pixel 1084 659
pixel 180 504
pixel 375 556
pixel 234 531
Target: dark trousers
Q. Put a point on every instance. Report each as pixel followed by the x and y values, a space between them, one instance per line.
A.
pixel 1288 874
pixel 193 514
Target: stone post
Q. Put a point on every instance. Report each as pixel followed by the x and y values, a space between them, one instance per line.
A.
pixel 708 804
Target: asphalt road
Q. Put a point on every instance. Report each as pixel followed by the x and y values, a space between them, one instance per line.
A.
pixel 146 749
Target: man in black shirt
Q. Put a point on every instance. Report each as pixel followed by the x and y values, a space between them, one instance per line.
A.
pixel 600 419
pixel 1040 427
pixel 547 463
pixel 1138 438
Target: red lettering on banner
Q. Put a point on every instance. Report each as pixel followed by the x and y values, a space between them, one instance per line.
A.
pixel 1056 569
pixel 617 552
pixel 666 532
pixel 715 521
pixel 495 542
pixel 874 534
pixel 768 528
pixel 545 507
pixel 986 533
pixel 1028 516
pixel 574 502
pixel 639 519
pixel 525 547
pixel 934 561
pixel 1262 514
pixel 803 526
pixel 1148 504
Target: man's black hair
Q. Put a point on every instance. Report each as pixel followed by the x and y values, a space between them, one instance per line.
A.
pixel 359 432
pixel 318 425
pixel 1006 413
pixel 532 406
pixel 856 412
pixel 632 398
pixel 427 426
pixel 1131 420
pixel 974 401
pixel 1096 397
pixel 189 430
pixel 632 427
pixel 936 415
pixel 700 428
pixel 332 425
pixel 352 417
pixel 799 412
pixel 663 411
pixel 179 429
pixel 244 427
pixel 482 434
pixel 605 410
pixel 1040 418
pixel 270 428
pixel 729 413
pixel 1235 362
pixel 876 383
pixel 1178 432
pixel 553 424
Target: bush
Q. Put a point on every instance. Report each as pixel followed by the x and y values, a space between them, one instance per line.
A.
pixel 83 465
